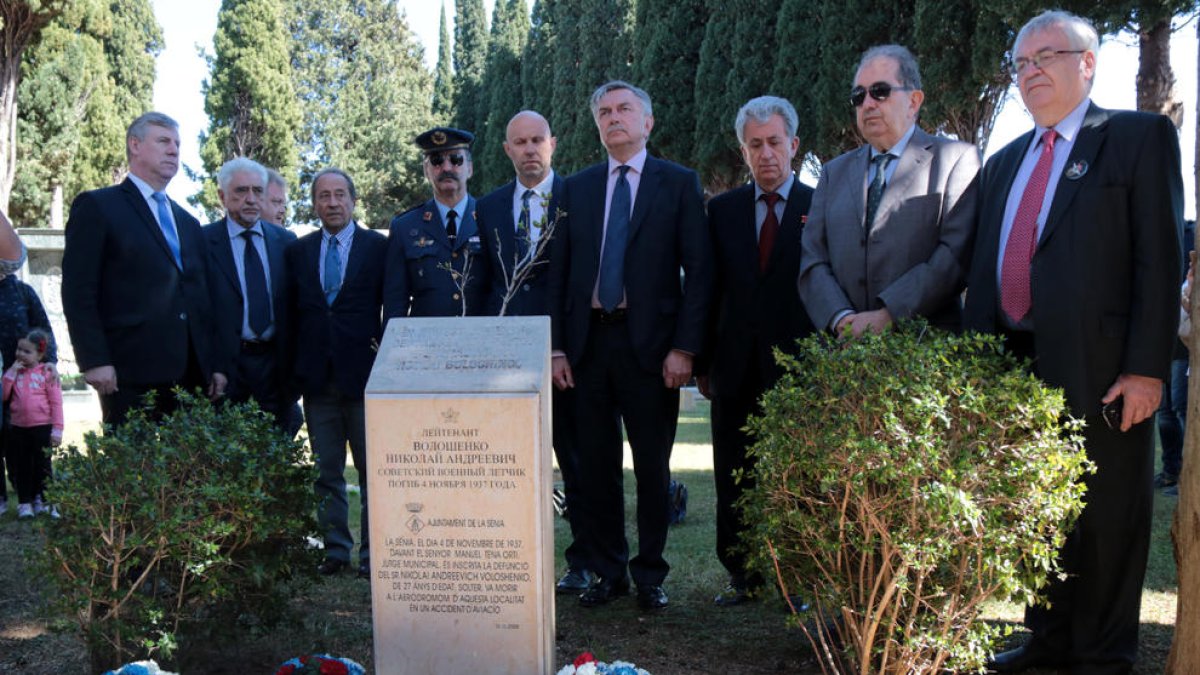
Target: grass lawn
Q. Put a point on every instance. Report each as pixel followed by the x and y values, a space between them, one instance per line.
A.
pixel 692 636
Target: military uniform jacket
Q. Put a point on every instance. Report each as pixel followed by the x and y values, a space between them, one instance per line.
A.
pixel 418 279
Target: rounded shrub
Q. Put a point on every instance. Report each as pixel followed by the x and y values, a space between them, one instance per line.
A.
pixel 903 479
pixel 194 524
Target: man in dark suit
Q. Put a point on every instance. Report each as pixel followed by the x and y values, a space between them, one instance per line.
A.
pixel 275 207
pixel 434 249
pixel 516 224
pixel 336 292
pixel 756 232
pixel 135 289
pixel 890 230
pixel 248 282
pixel 1077 266
pixel 625 332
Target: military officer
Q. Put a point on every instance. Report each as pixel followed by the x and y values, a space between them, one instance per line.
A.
pixel 434 248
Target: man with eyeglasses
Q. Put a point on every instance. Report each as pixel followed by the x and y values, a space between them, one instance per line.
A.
pixel 434 247
pixel 1076 265
pixel 891 224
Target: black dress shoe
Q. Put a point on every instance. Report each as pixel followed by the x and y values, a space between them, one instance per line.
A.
pixel 574 582
pixel 364 570
pixel 733 594
pixel 651 597
pixel 604 590
pixel 331 566
pixel 1023 658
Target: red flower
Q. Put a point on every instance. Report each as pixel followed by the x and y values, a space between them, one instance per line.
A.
pixel 583 658
pixel 334 668
pixel 286 670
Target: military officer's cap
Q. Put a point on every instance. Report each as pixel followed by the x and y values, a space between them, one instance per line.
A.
pixel 440 139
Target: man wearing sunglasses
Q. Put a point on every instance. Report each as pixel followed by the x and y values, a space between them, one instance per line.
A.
pixel 1077 266
pixel 891 224
pixel 434 247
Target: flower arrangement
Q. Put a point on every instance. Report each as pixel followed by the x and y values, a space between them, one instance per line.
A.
pixel 139 668
pixel 586 664
pixel 319 664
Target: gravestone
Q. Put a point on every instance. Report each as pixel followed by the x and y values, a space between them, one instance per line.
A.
pixel 458 457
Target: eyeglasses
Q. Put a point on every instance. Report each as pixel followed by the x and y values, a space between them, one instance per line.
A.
pixel 1040 60
pixel 437 158
pixel 880 91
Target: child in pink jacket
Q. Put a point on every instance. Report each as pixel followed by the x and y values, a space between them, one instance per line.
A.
pixel 35 421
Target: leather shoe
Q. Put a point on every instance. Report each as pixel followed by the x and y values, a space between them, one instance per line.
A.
pixel 733 594
pixel 575 581
pixel 364 570
pixel 604 590
pixel 1023 658
pixel 331 566
pixel 651 597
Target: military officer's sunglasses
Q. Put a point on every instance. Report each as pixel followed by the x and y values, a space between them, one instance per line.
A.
pixel 456 159
pixel 880 91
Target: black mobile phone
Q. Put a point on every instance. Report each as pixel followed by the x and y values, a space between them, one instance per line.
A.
pixel 1111 412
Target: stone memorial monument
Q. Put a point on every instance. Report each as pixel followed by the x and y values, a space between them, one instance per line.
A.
pixel 462 537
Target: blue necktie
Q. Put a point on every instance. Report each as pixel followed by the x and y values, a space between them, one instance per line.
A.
pixel 167 224
pixel 612 264
pixel 333 270
pixel 258 301
pixel 875 192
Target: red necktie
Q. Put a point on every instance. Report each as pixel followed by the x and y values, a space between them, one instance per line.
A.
pixel 770 228
pixel 1015 295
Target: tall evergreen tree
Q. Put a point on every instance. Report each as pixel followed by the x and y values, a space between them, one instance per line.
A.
pixel 366 94
pixel 537 62
pixel 443 81
pixel 592 46
pixel 251 105
pixel 89 74
pixel 669 34
pixel 470 61
pixel 501 97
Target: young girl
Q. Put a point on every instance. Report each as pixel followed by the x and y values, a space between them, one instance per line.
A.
pixel 35 421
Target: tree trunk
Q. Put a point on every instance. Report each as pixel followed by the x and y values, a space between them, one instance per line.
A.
pixel 1185 530
pixel 1155 79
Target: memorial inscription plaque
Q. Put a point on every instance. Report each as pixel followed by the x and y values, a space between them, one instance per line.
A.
pixel 458 450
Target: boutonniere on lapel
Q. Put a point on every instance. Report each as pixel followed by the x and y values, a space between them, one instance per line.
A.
pixel 1075 170
pixel 428 216
pixel 804 219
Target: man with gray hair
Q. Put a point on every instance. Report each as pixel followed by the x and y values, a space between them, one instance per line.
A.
pixel 625 329
pixel 890 230
pixel 276 207
pixel 756 232
pixel 248 286
pixel 135 289
pixel 1077 267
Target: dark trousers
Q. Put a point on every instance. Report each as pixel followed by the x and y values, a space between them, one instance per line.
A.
pixel 563 433
pixel 115 407
pixel 3 452
pixel 257 377
pixel 335 421
pixel 1172 417
pixel 29 460
pixel 729 413
pixel 611 388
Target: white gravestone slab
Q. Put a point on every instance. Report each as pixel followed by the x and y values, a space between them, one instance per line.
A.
pixel 458 450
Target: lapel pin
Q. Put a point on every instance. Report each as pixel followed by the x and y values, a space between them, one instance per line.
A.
pixel 1075 170
pixel 428 216
pixel 804 219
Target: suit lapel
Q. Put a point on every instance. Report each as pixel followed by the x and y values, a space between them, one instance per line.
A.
pixel 466 226
pixel 792 226
pixel 915 156
pixel 743 234
pixel 218 240
pixel 1083 153
pixel 274 241
pixel 858 198
pixel 355 262
pixel 647 186
pixel 432 225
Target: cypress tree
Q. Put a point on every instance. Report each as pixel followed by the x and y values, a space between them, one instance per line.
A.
pixel 443 81
pixel 669 34
pixel 470 61
pixel 248 96
pixel 502 93
pixel 537 63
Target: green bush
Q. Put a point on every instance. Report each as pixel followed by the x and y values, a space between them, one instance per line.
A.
pixel 183 527
pixel 902 480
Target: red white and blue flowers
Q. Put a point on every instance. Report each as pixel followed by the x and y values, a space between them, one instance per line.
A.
pixel 586 664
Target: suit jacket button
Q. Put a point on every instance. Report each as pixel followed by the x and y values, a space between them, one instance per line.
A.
pixel 454 255
pixel 526 287
pixel 457 296
pixel 183 316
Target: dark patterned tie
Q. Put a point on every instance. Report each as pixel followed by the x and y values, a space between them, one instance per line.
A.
pixel 258 300
pixel 452 227
pixel 875 192
pixel 770 228
pixel 611 288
